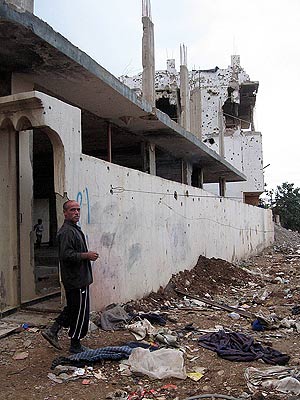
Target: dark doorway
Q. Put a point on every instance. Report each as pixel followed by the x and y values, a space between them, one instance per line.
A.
pixel 44 216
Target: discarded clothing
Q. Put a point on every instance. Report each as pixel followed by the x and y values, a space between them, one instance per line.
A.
pixel 113 318
pixel 282 379
pixel 91 356
pixel 239 347
pixel 154 318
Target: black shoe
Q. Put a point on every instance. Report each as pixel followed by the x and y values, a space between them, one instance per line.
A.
pixel 78 349
pixel 51 338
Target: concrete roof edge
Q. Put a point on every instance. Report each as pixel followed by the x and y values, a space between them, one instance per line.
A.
pixel 46 33
pixel 43 30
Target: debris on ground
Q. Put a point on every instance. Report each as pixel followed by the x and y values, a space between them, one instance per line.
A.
pixel 257 299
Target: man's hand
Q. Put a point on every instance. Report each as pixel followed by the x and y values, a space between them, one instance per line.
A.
pixel 90 255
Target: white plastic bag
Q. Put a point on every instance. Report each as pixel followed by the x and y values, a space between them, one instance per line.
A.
pixel 158 364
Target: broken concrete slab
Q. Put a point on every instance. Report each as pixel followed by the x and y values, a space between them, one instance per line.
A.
pixel 30 318
pixel 7 328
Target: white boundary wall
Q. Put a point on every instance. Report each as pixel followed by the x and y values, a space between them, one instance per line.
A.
pixel 144 235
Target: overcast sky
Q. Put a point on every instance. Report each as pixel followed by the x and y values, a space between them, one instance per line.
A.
pixel 265 33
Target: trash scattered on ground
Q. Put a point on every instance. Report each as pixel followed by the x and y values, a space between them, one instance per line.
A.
pixel 159 364
pixel 195 376
pixel 63 374
pixel 212 295
pixel 281 379
pixel 117 395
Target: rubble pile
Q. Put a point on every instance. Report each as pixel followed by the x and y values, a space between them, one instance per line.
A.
pixel 286 241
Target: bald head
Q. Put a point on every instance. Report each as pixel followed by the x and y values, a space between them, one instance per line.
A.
pixel 71 210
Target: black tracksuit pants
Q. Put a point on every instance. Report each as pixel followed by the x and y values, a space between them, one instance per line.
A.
pixel 75 314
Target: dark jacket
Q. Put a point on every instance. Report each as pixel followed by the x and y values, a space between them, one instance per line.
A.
pixel 75 272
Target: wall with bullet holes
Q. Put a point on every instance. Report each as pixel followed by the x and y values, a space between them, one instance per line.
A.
pixel 146 228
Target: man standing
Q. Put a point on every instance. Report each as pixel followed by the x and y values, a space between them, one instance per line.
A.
pixel 76 274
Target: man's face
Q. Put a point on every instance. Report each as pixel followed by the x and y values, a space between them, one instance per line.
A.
pixel 72 213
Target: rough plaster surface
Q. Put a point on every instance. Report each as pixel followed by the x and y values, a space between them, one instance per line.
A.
pixel 145 228
pixel 144 235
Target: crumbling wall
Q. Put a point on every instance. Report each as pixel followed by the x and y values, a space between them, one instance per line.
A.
pixel 219 89
pixel 243 151
pixel 166 83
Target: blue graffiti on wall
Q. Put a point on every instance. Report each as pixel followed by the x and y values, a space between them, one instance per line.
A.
pixel 79 199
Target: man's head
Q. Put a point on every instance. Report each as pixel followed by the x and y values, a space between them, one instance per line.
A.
pixel 71 211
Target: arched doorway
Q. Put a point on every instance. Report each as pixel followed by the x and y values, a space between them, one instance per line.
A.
pixel 44 215
pixel 40 175
pixel 32 176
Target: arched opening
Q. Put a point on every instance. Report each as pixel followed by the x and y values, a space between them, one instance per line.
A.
pixel 44 211
pixel 40 175
pixel 7 125
pixel 23 124
pixel 32 169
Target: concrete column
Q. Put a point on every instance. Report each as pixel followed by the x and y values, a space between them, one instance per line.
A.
pixel 222 187
pixel 152 159
pixel 109 154
pixel 200 178
pixel 252 118
pixel 148 57
pixel 185 119
pixel 235 62
pixel 25 220
pixel 196 113
pixel 221 131
pixel 22 5
pixel 148 158
pixel 186 172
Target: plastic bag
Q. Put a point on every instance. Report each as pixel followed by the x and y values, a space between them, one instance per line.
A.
pixel 158 364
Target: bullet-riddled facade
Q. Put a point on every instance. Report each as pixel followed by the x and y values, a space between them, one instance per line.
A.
pixel 222 105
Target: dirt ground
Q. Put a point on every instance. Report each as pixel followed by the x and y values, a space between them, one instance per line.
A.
pixel 268 283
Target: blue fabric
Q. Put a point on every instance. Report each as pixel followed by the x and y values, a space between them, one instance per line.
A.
pixel 91 356
pixel 257 325
pixel 239 347
pixel 103 353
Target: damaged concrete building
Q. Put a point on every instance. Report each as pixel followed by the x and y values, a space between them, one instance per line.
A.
pixel 217 106
pixel 70 129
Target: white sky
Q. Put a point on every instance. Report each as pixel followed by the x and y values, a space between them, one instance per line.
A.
pixel 266 34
